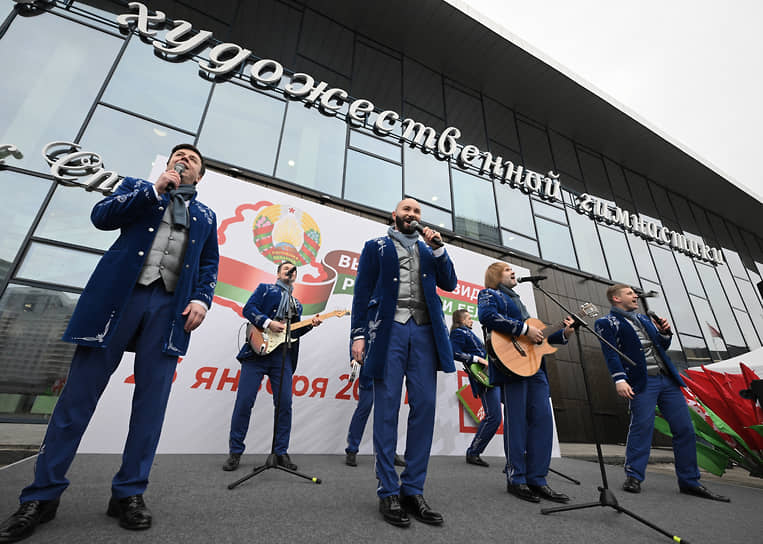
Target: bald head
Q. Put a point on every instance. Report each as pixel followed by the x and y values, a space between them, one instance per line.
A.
pixel 407 210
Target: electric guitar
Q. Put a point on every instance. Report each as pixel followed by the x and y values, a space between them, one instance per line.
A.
pixel 520 356
pixel 264 341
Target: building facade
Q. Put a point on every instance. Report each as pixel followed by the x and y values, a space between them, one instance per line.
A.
pixel 356 106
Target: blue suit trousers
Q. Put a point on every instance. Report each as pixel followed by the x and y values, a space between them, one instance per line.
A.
pixel 147 314
pixel 661 391
pixel 528 429
pixel 360 416
pixel 252 372
pixel 491 405
pixel 411 355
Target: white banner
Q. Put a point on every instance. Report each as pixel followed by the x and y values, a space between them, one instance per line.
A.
pixel 258 227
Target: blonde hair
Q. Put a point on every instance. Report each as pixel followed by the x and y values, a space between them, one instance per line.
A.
pixel 614 290
pixel 494 274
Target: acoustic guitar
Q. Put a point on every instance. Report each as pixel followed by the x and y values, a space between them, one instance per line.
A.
pixel 264 341
pixel 520 356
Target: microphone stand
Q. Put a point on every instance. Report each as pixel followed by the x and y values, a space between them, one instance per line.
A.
pixel 606 497
pixel 272 460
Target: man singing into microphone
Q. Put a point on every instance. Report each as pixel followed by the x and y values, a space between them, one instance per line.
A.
pixel 268 308
pixel 654 381
pixel 147 293
pixel 398 331
pixel 527 420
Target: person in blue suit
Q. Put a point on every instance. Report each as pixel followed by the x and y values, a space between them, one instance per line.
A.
pixel 267 308
pixel 654 381
pixel 469 349
pixel 148 292
pixel 398 332
pixel 528 421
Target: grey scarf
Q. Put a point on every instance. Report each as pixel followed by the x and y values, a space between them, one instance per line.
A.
pixel 283 305
pixel 406 240
pixel 515 298
pixel 179 211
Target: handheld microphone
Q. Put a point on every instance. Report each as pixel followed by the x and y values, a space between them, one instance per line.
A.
pixel 292 271
pixel 179 168
pixel 531 278
pixel 648 294
pixel 355 369
pixel 436 241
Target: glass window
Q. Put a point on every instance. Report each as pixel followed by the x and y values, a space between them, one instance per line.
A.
pixel 242 127
pixel 423 87
pixel 641 255
pixel 377 76
pixel 621 267
pixel 326 42
pixel 695 353
pixel 67 219
pixel 500 124
pixel 58 68
pixel 22 198
pixel 426 178
pixel 729 286
pixel 535 148
pixel 169 92
pixel 34 362
pixel 617 180
pixel 549 212
pixel 475 207
pixel 735 263
pixel 675 292
pixel 720 305
pixel 514 209
pixel 312 149
pixel 658 304
pixel 564 154
pixel 709 327
pixel 374 182
pixel 689 274
pixel 465 112
pixel 53 264
pixel 518 242
pixel 752 303
pixel 375 145
pixel 641 194
pixel 437 217
pixel 748 331
pixel 129 145
pixel 594 174
pixel 555 242
pixel 587 245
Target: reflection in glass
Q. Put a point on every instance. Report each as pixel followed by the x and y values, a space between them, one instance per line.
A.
pixel 641 255
pixel 34 362
pixel 22 198
pixel 621 267
pixel 729 286
pixel 372 181
pixel 735 263
pixel 436 217
pixel 720 304
pixel 549 212
pixel 375 145
pixel 748 331
pixel 426 178
pixel 57 265
pixel 555 242
pixel 709 327
pixel 587 244
pixel 675 292
pixel 520 243
pixel 695 350
pixel 514 209
pixel 242 127
pixel 57 68
pixel 312 151
pixel 67 219
pixel 474 207
pixel 176 94
pixel 689 274
pixel 129 145
pixel 657 304
pixel 753 306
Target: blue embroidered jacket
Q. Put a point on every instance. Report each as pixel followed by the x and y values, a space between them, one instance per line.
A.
pixel 375 298
pixel 135 210
pixel 466 345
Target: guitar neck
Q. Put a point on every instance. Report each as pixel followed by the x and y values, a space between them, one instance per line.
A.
pixel 306 322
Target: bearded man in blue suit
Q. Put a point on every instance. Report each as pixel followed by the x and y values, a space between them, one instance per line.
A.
pixel 398 331
pixel 654 381
pixel 147 293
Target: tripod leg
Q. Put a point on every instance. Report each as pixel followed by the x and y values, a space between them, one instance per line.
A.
pixel 313 479
pixel 573 480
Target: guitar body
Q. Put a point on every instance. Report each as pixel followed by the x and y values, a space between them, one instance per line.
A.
pixel 518 355
pixel 263 342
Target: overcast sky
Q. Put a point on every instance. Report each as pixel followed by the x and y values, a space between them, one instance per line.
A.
pixel 691 70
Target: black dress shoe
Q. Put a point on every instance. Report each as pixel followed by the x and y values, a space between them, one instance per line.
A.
pixel 545 492
pixel 399 461
pixel 632 485
pixel 26 519
pixel 522 491
pixel 285 461
pixel 476 460
pixel 351 459
pixel 419 509
pixel 131 511
pixel 705 493
pixel 392 511
pixel 231 463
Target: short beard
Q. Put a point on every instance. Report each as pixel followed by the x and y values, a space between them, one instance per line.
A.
pixel 400 225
